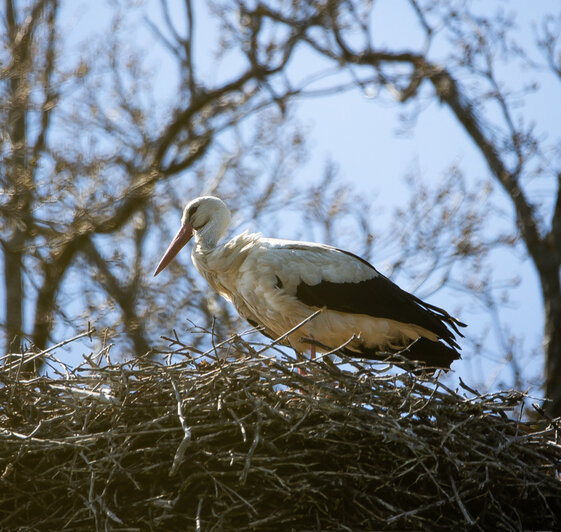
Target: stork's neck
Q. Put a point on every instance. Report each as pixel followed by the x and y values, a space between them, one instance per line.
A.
pixel 206 241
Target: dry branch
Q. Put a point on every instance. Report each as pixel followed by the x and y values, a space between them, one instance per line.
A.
pixel 237 440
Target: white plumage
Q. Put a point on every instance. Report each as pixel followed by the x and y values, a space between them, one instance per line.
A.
pixel 277 284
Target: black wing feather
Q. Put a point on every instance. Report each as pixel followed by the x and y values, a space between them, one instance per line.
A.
pixel 381 298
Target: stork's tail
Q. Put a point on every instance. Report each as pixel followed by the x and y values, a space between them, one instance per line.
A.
pixel 432 354
pixel 429 353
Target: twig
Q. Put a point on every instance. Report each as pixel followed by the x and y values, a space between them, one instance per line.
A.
pixel 25 359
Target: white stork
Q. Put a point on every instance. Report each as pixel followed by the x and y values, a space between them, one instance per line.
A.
pixel 276 284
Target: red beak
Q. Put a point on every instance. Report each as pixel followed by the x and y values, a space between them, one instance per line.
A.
pixel 181 238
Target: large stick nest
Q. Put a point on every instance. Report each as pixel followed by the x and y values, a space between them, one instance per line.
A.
pixel 237 440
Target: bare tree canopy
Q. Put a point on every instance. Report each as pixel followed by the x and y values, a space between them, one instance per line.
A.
pixel 86 149
pixel 94 158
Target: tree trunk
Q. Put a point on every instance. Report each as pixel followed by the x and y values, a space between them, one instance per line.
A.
pixel 18 179
pixel 18 208
pixel 14 297
pixel 551 289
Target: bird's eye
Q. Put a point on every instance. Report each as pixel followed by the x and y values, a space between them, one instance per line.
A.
pixel 199 226
pixel 191 212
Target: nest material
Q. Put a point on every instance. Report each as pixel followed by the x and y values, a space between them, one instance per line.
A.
pixel 246 443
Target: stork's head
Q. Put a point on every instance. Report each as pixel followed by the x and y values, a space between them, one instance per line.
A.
pixel 206 218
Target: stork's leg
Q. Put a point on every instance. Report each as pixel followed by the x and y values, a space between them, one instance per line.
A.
pixel 301 358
